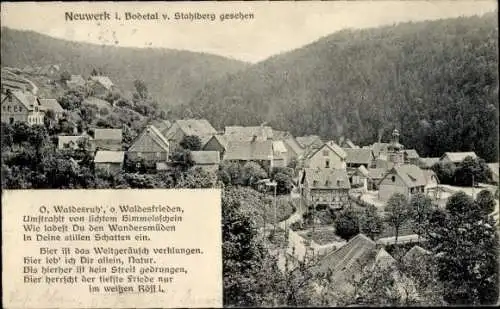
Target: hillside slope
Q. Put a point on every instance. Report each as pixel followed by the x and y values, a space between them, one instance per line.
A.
pixel 437 81
pixel 172 76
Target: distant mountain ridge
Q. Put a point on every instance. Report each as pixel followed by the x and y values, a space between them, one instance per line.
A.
pixel 437 81
pixel 172 76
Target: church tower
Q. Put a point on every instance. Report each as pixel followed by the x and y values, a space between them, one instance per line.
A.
pixel 395 149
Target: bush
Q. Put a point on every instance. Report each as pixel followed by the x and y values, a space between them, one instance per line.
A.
pixel 347 225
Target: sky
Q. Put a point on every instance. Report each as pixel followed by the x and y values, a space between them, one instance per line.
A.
pixel 276 27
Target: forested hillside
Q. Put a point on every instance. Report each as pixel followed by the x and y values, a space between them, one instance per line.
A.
pixel 437 81
pixel 172 76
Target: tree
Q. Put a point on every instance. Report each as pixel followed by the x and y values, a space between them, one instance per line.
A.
pixel 71 99
pixel 465 243
pixel 65 76
pixel 191 142
pixel 486 201
pixel 230 173
pixel 420 210
pixel 182 159
pixel 370 222
pixel 284 183
pixel 347 224
pixel 445 172
pixel 251 173
pixel 196 177
pixel 397 212
pixel 472 171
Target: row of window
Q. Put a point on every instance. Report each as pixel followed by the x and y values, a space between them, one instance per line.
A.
pixel 158 155
pixel 15 108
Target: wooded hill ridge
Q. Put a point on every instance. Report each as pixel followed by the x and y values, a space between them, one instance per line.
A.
pixel 172 76
pixel 437 81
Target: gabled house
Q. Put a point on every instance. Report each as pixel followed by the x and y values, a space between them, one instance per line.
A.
pixel 150 145
pixel 325 187
pixel 246 134
pixel 207 160
pixel 357 157
pixel 20 106
pixel 101 85
pixel 379 148
pixel 110 161
pixel 52 105
pixel 457 157
pixel 280 154
pixel 358 177
pixel 107 139
pixel 188 127
pixel 293 147
pixel 375 175
pixel 406 179
pixel 309 142
pixel 216 143
pixel 329 156
pixel 411 156
pixel 256 151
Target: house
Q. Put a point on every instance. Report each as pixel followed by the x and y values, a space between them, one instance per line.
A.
pixel 188 127
pixel 358 177
pixel 48 70
pixel 494 172
pixel 375 175
pixel 379 148
pixel 330 155
pixel 309 142
pixel 431 179
pixel 256 151
pixel 325 187
pixel 357 157
pixel 100 85
pixel 110 161
pixel 207 160
pixel 293 147
pixel 407 179
pixel 456 157
pixel 52 105
pixel 347 265
pixel 107 139
pixel 216 143
pixel 428 162
pixel 75 81
pixel 411 156
pixel 280 154
pixel 162 124
pixel 71 141
pixel 20 106
pixel 246 134
pixel 150 145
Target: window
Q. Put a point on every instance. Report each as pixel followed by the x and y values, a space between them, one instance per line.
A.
pixel 393 178
pixel 8 108
pixel 158 155
pixel 327 163
pixel 327 183
pixel 325 153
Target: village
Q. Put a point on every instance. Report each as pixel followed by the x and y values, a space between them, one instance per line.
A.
pixel 327 176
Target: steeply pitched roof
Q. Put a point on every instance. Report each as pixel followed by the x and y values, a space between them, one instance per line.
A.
pixel 196 127
pixel 383 259
pixel 108 134
pixel 220 139
pixel 377 148
pixel 324 178
pixel 411 153
pixel 377 173
pixel 162 125
pixel 309 140
pixel 248 151
pixel 279 147
pixel 51 104
pixel 280 135
pixel 412 175
pixel 27 99
pixel 104 156
pixel 457 157
pixel 246 134
pixel 205 157
pixel 415 253
pixel 153 133
pixel 348 258
pixel 292 143
pixel 358 155
pixel 333 147
pixel 103 80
